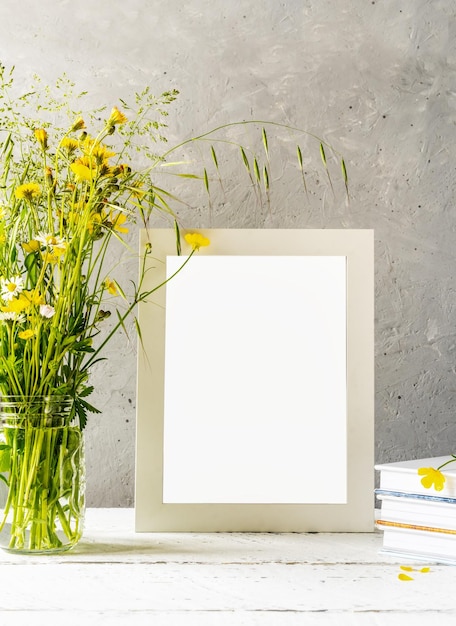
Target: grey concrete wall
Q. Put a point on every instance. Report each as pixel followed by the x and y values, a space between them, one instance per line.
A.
pixel 376 79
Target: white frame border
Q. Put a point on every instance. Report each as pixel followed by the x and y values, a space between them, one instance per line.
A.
pixel 357 515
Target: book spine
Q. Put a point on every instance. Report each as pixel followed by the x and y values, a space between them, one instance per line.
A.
pixel 432 529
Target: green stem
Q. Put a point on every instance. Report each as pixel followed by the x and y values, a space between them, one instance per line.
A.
pixel 447 462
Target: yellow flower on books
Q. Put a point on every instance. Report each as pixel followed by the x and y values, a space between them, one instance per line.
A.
pixel 27 191
pixel 26 334
pixel 196 241
pixel 431 477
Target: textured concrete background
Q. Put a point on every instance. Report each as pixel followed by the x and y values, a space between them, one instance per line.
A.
pixel 376 79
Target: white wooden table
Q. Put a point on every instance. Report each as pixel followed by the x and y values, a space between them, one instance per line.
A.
pixel 116 577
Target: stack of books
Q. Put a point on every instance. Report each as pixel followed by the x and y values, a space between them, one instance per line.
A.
pixel 418 522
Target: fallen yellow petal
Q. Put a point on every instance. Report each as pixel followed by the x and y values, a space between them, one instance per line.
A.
pixel 404 577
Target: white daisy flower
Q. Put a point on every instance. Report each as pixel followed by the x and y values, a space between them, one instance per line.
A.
pixel 46 310
pixel 11 287
pixel 10 316
pixel 53 243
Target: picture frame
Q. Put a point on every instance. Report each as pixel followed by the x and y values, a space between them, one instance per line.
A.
pixel 188 478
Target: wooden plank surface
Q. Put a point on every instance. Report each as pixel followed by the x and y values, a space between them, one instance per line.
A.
pixel 116 576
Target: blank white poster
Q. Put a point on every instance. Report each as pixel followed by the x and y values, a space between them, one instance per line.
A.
pixel 256 380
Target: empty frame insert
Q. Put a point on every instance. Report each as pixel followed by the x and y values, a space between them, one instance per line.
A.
pixel 255 376
pixel 255 387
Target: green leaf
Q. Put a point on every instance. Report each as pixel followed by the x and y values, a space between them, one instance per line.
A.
pixel 298 150
pixel 266 178
pixel 344 171
pixel 5 458
pixel 32 268
pixel 214 157
pixel 178 238
pixel 245 159
pixel 139 332
pixel 265 142
pixel 344 174
pixel 323 155
pixel 256 169
pixel 81 408
pixel 85 392
pixel 121 322
pixel 82 346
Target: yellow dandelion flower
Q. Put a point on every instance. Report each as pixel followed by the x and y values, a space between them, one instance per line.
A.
pixel 41 136
pixel 69 144
pixel 124 169
pixel 196 241
pixel 117 221
pixel 136 190
pixel 26 334
pixel 17 305
pixel 93 222
pixel 86 143
pixel 81 172
pixel 110 286
pixel 105 169
pixel 87 160
pixel 431 477
pixel 102 153
pixel 32 297
pixel 116 117
pixel 78 124
pixel 50 257
pixel 27 191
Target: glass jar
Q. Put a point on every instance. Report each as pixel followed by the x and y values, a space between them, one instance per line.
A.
pixel 42 474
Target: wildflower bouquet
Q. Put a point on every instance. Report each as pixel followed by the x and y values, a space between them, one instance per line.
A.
pixel 66 196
